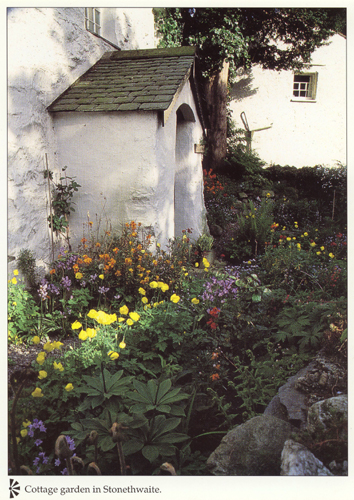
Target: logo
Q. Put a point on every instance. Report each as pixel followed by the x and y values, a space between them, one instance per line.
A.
pixel 14 488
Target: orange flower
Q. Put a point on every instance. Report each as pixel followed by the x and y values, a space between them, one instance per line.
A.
pixel 76 268
pixel 52 271
pixel 118 273
pixel 115 250
pixel 214 376
pixel 98 244
pixel 83 240
pixel 215 355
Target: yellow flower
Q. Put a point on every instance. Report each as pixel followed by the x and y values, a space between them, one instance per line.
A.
pixel 57 345
pixel 196 264
pixel 130 322
pixel 174 298
pixel 195 301
pixel 298 246
pixel 37 393
pixel 331 255
pixel 24 433
pixel 26 423
pixel 122 345
pixel 42 374
pixel 164 287
pixel 318 253
pixel 124 310
pixel 14 281
pixel 83 335
pixel 91 314
pixel 120 320
pixel 134 316
pixel 105 319
pixel 288 239
pixel 78 276
pixel 313 244
pixel 322 248
pixel 76 325
pixel 306 234
pixel 101 276
pixel 142 291
pixel 153 284
pixel 158 245
pixel 91 333
pixel 41 358
pixel 249 262
pixel 36 339
pixel 48 347
pixel 205 262
pixel 58 366
pixel 144 300
pixel 113 355
pixel 69 387
pixel 16 272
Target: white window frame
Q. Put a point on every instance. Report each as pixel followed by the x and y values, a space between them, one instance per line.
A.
pixel 307 89
pixel 93 20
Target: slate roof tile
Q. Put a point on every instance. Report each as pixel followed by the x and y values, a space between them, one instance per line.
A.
pixel 129 80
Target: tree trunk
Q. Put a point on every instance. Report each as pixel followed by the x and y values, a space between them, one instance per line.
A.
pixel 216 101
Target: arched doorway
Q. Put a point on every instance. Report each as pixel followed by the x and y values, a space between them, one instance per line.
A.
pixel 185 120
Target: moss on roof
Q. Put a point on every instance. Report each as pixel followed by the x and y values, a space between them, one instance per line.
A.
pixel 129 80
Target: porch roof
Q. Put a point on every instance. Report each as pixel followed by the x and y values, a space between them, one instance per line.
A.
pixel 130 80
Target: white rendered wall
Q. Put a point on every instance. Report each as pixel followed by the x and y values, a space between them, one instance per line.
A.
pixel 187 174
pixel 48 49
pixel 302 133
pixel 112 158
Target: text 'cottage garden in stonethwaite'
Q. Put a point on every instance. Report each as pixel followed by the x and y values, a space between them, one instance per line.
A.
pixel 177 242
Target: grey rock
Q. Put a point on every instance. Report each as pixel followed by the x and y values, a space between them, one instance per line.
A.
pixel 290 403
pixel 216 230
pixel 297 460
pixel 251 449
pixel 322 414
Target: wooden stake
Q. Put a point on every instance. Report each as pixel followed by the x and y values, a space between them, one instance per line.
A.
pixel 50 207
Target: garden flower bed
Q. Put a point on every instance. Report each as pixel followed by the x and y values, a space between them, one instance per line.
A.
pixel 142 357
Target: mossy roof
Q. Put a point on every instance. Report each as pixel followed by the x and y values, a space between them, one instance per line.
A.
pixel 129 80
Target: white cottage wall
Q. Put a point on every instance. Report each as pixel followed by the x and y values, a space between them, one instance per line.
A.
pixel 301 133
pixel 48 49
pixel 186 175
pixel 112 158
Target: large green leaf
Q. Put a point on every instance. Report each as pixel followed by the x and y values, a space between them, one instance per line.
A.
pixel 132 446
pixel 150 452
pixel 110 380
pixel 106 443
pixel 164 387
pixel 172 437
pixel 152 389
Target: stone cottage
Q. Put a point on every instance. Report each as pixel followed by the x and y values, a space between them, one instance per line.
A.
pixel 131 146
pixel 129 129
pixel 296 118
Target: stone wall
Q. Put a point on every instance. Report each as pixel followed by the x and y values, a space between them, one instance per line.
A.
pixel 48 49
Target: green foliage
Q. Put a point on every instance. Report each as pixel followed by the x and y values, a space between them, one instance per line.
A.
pixel 23 312
pixel 243 36
pixel 253 230
pixel 27 265
pixel 62 203
pixel 156 397
pixel 204 242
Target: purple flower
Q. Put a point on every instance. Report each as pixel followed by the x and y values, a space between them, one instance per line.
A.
pixel 117 297
pixel 54 289
pixel 64 472
pixel 57 462
pixel 38 442
pixel 71 443
pixel 31 432
pixel 66 282
pixel 36 461
pixel 38 470
pixel 36 423
pixel 42 428
pixel 102 289
pixel 43 289
pixel 45 460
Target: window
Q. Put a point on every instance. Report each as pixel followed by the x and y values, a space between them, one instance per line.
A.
pixel 92 20
pixel 304 87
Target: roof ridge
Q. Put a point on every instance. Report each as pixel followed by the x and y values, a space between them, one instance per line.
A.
pixel 151 53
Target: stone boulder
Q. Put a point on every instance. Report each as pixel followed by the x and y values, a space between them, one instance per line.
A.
pixel 251 449
pixel 324 414
pixel 297 460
